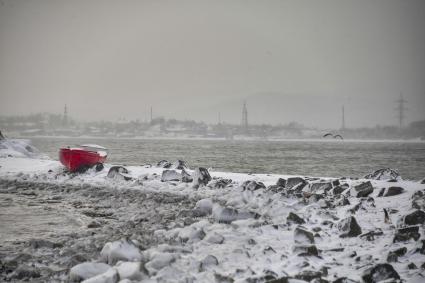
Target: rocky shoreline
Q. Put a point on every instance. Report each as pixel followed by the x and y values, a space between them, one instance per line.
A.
pixel 167 223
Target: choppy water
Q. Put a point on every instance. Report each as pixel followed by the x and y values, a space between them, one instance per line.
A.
pixel 311 158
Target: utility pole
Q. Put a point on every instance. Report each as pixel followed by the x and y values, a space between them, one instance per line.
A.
pixel 401 108
pixel 65 116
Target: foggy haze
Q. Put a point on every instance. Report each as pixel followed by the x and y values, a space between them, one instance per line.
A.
pixel 289 60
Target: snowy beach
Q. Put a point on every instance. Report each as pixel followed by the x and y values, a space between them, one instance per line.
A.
pixel 155 224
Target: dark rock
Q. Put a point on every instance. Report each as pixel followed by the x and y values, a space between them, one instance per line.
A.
pixel 164 164
pixel 221 183
pixel 342 201
pixel 201 176
pixel 336 183
pixel 294 218
pixel 384 174
pixel 415 218
pixel 186 177
pixel 418 201
pixel 302 236
pixel 306 250
pixel 252 185
pixel 321 187
pixel 393 255
pixel 349 227
pixel 339 189
pixel 364 189
pixel 421 249
pixel 422 181
pixel 296 183
pixel 94 224
pixel 180 165
pixel 412 266
pixel 391 191
pixel 308 275
pixel 119 172
pixel 281 183
pixel 370 236
pixel 280 280
pixel 405 234
pixel 379 273
pixel 223 278
pixel 99 167
pixel 170 175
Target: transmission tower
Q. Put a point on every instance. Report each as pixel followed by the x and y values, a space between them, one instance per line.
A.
pixel 401 108
pixel 245 117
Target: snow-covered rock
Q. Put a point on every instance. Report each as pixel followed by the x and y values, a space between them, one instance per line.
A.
pixel 124 250
pixel 19 148
pixel 87 270
pixel 130 270
pixel 170 175
pixel 384 174
pixel 201 176
pixel 110 276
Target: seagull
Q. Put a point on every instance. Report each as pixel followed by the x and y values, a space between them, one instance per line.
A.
pixel 332 135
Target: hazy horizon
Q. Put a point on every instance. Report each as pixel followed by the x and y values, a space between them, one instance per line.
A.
pixel 289 60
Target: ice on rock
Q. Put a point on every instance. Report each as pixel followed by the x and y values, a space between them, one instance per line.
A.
pixel 384 174
pixel 302 236
pixel 349 227
pixel 208 261
pixel 380 272
pixel 119 173
pixel 191 234
pixel 201 176
pixel 19 148
pixel 294 218
pixel 159 260
pixel 229 214
pixel 170 175
pixel 180 165
pixel 87 270
pixel 130 270
pixel 110 276
pixel 215 238
pixel 124 250
pixel 164 164
pixel 363 189
pixel 204 206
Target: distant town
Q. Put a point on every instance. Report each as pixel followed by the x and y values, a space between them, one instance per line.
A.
pixel 64 125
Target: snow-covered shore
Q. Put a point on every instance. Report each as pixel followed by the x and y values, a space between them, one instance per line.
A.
pixel 236 228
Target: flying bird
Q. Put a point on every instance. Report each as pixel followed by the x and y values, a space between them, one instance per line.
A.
pixel 332 135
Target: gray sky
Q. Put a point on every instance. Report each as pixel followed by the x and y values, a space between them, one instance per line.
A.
pixel 290 60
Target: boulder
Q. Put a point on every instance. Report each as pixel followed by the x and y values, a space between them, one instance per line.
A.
pixel 294 218
pixel 418 200
pixel 414 218
pixel 215 238
pixel 306 250
pixel 302 236
pixel 380 272
pixel 186 177
pixel 320 188
pixel 391 191
pixel 180 165
pixel 407 233
pixel 296 183
pixel 164 164
pixel 208 261
pixel 221 183
pixel 349 227
pixel 130 270
pixel 119 173
pixel 308 275
pixel 363 189
pixel 229 214
pixel 393 255
pixel 422 181
pixel 252 185
pixel 204 207
pixel 281 182
pixel 201 177
pixel 339 189
pixel 422 248
pixel 159 261
pixel 124 250
pixel 384 174
pixel 170 175
pixel 87 270
pixel 110 276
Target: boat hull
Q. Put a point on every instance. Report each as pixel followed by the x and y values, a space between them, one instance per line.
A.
pixel 79 159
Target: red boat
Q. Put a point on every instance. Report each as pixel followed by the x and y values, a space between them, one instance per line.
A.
pixel 82 157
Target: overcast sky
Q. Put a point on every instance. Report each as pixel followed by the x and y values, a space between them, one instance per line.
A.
pixel 290 60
